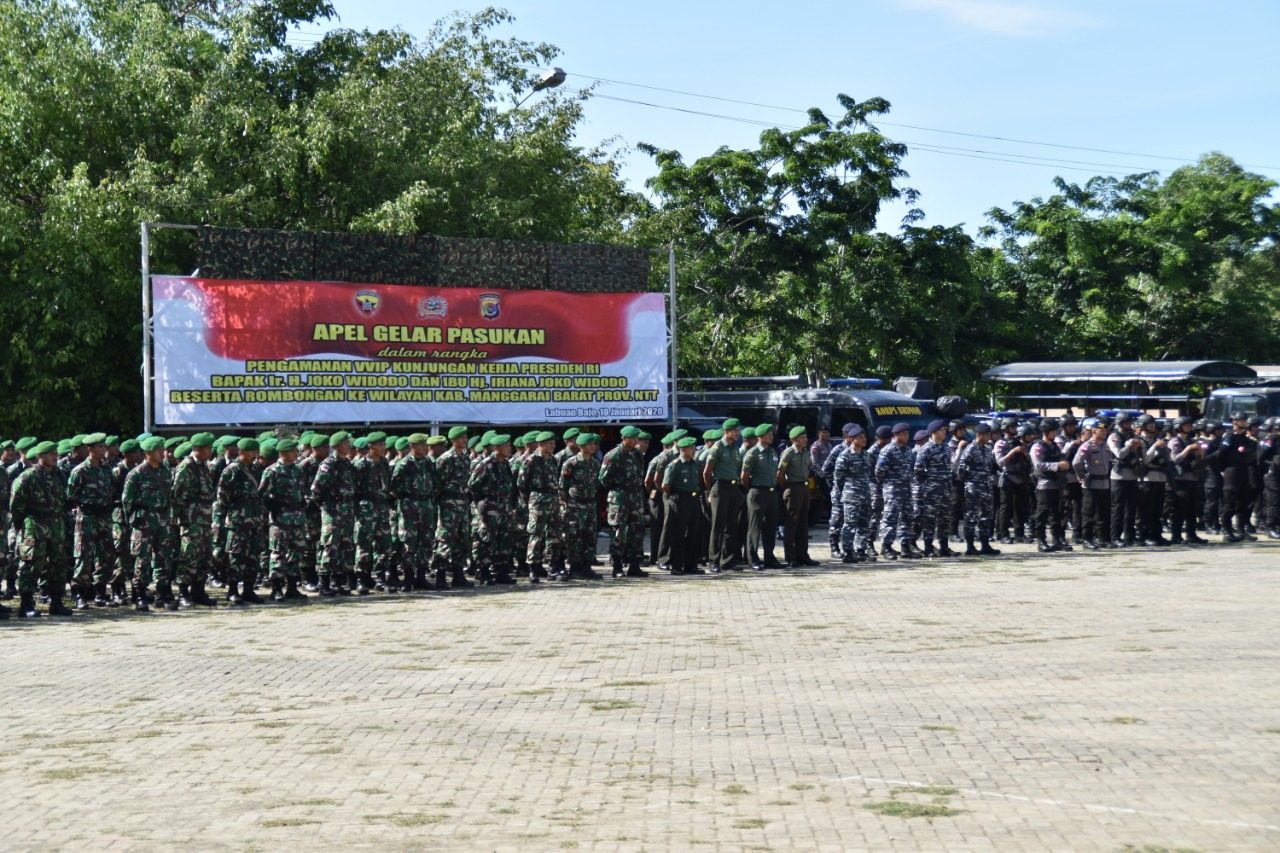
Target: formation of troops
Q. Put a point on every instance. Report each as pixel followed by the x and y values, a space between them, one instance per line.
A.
pixel 161 522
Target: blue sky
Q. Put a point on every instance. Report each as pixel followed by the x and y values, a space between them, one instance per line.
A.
pixel 1174 79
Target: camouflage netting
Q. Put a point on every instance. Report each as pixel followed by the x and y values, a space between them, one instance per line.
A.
pixel 231 253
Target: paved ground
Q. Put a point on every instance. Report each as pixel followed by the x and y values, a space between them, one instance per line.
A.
pixel 1123 702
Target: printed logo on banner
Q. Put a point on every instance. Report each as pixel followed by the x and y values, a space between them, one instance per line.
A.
pixel 367 301
pixel 490 306
pixel 433 308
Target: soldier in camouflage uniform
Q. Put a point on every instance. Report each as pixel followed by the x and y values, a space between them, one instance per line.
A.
pixel 540 479
pixel 283 491
pixel 372 475
pixel 130 457
pixel 334 490
pixel 194 494
pixel 309 467
pixel 894 470
pixel 228 452
pixel 527 448
pixel 13 470
pixel 243 518
pixel 853 472
pixel 579 480
pixel 620 473
pixel 37 506
pixel 146 501
pixel 415 487
pixel 453 470
pixel 827 473
pixel 89 490
pixel 976 468
pixel 493 492
pixel 933 498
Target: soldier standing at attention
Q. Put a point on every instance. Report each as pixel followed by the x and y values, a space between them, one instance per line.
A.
pixel 579 480
pixel 1127 452
pixel 89 490
pixel 976 467
pixel 957 440
pixel 706 542
pixel 620 473
pixel 1092 466
pixel 540 480
pixel 227 453
pixel 760 478
pixel 1188 469
pixel 853 473
pixel 309 467
pixel 1049 469
pixel 894 470
pixel 36 507
pixel 415 487
pixel 493 493
pixel 283 491
pixel 243 519
pixel 820 451
pixel 794 467
pixel 658 547
pixel 720 473
pixel 933 497
pixel 372 478
pixel 1232 460
pixel 681 482
pixel 884 435
pixel 827 474
pixel 1069 441
pixel 193 499
pixel 147 502
pixel 334 490
pixel 452 545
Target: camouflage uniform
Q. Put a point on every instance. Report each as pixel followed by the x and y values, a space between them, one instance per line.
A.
pixel 120 531
pixel 374 546
pixel 308 468
pixel 520 519
pixel 853 473
pixel 830 474
pixel 579 479
pixel 976 467
pixel 480 556
pixel 217 465
pixel 540 480
pixel 492 493
pixel 620 474
pixel 894 471
pixel 283 491
pixel 933 496
pixel 453 470
pixel 89 490
pixel 414 485
pixel 242 518
pixel 193 500
pixel 146 501
pixel 36 507
pixel 334 490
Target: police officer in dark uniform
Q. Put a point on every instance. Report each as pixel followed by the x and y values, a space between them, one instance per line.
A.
pixel 1234 459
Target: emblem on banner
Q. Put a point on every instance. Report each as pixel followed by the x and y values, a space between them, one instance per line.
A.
pixel 367 301
pixel 433 308
pixel 490 306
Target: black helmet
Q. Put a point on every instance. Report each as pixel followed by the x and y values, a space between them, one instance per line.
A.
pixel 1068 420
pixel 1048 424
pixel 1254 421
pixel 1123 418
pixel 955 425
pixel 1200 425
pixel 1025 430
pixel 1237 415
pixel 1145 419
pixel 1182 421
pixel 1006 423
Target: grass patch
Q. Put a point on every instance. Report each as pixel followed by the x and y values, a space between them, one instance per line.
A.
pixel 751 823
pixel 608 704
pixel 800 786
pixel 71 774
pixel 1270 731
pixel 630 684
pixel 536 691
pixel 927 790
pixel 938 729
pixel 371 791
pixel 813 627
pixel 285 821
pixel 149 733
pixel 270 724
pixel 735 790
pixel 1128 721
pixel 894 808
pixel 328 750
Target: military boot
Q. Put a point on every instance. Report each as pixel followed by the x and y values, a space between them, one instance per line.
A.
pixel 277 590
pixel 118 596
pixel 80 592
pixel 910 552
pixel 292 593
pixel 100 594
pixel 969 550
pixel 535 573
pixel 634 571
pixel 1044 547
pixel 56 607
pixel 362 583
pixel 617 567
pixel 233 592
pixel 929 549
pixel 459 579
pixel 184 595
pixel 987 551
pixel 27 606
pixel 164 596
pixel 326 587
pixel 501 575
pixel 1060 544
pixel 944 548
pixel 886 551
pixel 140 599
pixel 250 595
pixel 10 589
pixel 200 596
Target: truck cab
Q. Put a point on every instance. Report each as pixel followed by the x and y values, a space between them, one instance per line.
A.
pixel 1263 401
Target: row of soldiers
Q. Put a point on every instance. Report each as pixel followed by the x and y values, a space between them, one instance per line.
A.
pixel 1116 482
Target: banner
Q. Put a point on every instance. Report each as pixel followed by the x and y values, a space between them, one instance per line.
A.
pixel 260 352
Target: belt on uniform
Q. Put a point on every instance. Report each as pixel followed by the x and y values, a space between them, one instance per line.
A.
pixel 684 494
pixel 730 482
pixel 763 488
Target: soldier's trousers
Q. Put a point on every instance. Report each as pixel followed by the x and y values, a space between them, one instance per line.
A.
pixel 374 551
pixel 195 552
pixel 680 527
pixel 1073 508
pixel 1095 513
pixel 658 542
pixel 726 503
pixel 337 544
pixel 1182 519
pixel 121 534
pixel 1150 509
pixel 148 543
pixel 627 523
pixel 1271 496
pixel 244 552
pixel 1212 509
pixel 541 548
pixel 42 555
pixel 762 523
pixel 94 548
pixel 933 511
pixel 288 551
pixel 895 521
pixel 452 543
pixel 1235 503
pixel 579 532
pixel 795 532
pixel 1124 510
pixel 957 507
pixel 313 542
pixel 978 511
pixel 856 531
pixel 1015 508
pixel 1048 517
pixel 415 529
pixel 835 522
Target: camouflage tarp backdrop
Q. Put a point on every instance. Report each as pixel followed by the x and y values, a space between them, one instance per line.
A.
pixel 257 254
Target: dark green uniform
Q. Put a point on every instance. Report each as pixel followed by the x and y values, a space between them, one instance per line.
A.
pixel 760 468
pixel 453 470
pixel 621 474
pixel 683 507
pixel 243 518
pixel 415 487
pixel 493 492
pixel 89 490
pixel 334 490
pixel 283 491
pixel 36 507
pixel 725 461
pixel 795 465
pixel 374 554
pixel 579 481
pixel 540 480
pixel 147 501
pixel 193 500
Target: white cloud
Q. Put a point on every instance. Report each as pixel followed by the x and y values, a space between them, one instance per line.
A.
pixel 1005 17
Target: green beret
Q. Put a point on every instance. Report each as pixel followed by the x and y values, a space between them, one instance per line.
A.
pixel 488 434
pixel 268 447
pixel 202 439
pixel 402 443
pixel 263 436
pixel 545 435
pixel 496 440
pixel 457 432
pixel 227 439
pixel 318 440
pixel 360 444
pixel 94 438
pixel 171 443
pixel 143 436
pixel 375 437
pixel 688 441
pixel 338 437
pixel 667 439
pixel 763 430
pixel 417 438
pixel 25 442
pixel 151 444
pixel 182 450
pixel 678 434
pixel 247 444
pixel 571 432
pixel 796 432
pixel 41 448
pixel 585 438
pixel 473 441
pixel 748 432
pixel 111 440
pixel 76 440
pixel 629 432
pixel 129 445
pixel 713 435
pixel 306 435
pixel 286 444
pixel 64 446
pixel 436 439
pixel 732 423
pixel 5 445
pixel 644 436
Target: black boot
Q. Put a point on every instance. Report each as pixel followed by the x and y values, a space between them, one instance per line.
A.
pixel 56 607
pixel 501 575
pixel 1060 544
pixel 184 595
pixel 164 596
pixel 459 580
pixel 969 550
pixel 100 594
pixel 535 573
pixel 909 551
pixel 277 591
pixel 200 596
pixel 140 599
pixel 118 596
pixel 233 592
pixel 27 606
pixel 80 592
pixel 888 553
pixel 928 548
pixel 292 593
pixel 250 594
pixel 10 589
pixel 1044 547
pixel 617 567
pixel 987 551
pixel 362 583
pixel 944 548
pixel 634 571
pixel 326 587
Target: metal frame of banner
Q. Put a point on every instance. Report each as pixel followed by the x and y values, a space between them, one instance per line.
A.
pixel 148 391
